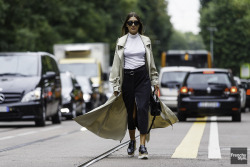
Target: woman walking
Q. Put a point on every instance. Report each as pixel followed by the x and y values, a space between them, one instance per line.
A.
pixel 136 86
pixel 132 75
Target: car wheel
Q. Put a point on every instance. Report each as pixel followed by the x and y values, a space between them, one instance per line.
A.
pixel 41 121
pixel 236 117
pixel 181 117
pixel 243 109
pixel 56 119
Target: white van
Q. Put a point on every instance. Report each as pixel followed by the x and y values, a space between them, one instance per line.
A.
pixel 170 80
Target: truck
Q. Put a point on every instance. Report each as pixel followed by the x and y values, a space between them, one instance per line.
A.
pixel 86 60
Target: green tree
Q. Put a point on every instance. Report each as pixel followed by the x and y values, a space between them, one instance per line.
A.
pixel 185 41
pixel 38 24
pixel 232 38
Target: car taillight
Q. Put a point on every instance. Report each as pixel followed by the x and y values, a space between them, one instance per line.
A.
pixel 233 89
pixel 248 92
pixel 185 90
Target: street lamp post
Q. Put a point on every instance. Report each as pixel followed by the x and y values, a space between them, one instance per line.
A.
pixel 212 29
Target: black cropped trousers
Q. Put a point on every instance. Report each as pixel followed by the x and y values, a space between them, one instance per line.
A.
pixel 136 89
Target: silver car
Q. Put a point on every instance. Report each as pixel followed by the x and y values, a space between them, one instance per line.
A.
pixel 170 80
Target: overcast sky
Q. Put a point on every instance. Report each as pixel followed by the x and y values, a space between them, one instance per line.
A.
pixel 184 15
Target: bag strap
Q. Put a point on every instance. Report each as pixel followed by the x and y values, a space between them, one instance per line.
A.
pixel 151 125
pixel 153 118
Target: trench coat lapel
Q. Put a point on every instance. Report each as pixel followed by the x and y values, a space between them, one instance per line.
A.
pixel 121 44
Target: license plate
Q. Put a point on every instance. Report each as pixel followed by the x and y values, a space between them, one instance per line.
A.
pixel 4 109
pixel 209 104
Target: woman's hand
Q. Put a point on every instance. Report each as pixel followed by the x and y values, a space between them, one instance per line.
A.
pixel 156 89
pixel 116 93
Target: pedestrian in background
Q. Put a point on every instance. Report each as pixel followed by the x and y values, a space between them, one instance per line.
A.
pixel 132 75
pixel 134 54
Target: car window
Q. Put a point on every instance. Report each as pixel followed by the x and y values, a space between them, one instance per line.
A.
pixel 208 79
pixel 19 64
pixel 177 76
pixel 54 65
pixel 81 69
pixel 85 84
pixel 47 65
pixel 66 81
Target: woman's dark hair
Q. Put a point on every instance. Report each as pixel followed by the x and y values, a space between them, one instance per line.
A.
pixel 125 28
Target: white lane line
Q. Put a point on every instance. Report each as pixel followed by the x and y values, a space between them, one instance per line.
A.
pixel 28 133
pixel 213 145
pixel 7 137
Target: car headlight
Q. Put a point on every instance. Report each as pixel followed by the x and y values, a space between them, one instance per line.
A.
pixel 86 97
pixel 32 95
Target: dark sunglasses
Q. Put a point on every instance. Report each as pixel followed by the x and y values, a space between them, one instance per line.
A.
pixel 130 23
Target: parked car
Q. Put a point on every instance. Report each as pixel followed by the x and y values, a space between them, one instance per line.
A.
pixel 90 97
pixel 242 93
pixel 246 85
pixel 170 80
pixel 30 87
pixel 209 92
pixel 72 96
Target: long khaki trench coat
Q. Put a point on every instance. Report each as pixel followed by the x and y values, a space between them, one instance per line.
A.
pixel 110 119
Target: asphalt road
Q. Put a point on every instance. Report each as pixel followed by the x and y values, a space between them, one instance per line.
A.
pixel 203 142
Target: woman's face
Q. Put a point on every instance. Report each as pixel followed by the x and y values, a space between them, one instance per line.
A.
pixel 133 25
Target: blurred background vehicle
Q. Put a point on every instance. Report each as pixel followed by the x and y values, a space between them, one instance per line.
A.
pixel 170 80
pixel 88 60
pixel 90 95
pixel 242 93
pixel 209 92
pixel 72 96
pixel 193 58
pixel 246 85
pixel 30 87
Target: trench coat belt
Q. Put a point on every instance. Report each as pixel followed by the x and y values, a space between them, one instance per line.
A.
pixel 133 71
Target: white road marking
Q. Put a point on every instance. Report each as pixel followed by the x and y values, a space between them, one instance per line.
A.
pixel 213 145
pixel 28 133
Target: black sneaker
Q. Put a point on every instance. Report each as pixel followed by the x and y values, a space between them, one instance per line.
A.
pixel 131 148
pixel 143 153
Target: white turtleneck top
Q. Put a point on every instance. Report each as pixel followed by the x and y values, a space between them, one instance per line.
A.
pixel 134 53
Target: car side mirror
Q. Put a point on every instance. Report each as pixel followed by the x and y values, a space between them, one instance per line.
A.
pixel 49 75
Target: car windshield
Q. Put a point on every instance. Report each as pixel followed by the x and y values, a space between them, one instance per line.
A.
pixel 85 84
pixel 80 69
pixel 173 77
pixel 19 65
pixel 66 81
pixel 217 79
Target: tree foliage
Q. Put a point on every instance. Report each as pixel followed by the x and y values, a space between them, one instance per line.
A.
pixel 185 41
pixel 232 38
pixel 37 25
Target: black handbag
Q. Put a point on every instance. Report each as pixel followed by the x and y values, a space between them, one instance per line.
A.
pixel 155 107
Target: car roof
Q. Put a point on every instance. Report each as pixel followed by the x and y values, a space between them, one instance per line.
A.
pixel 177 68
pixel 28 53
pixel 178 52
pixel 210 69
